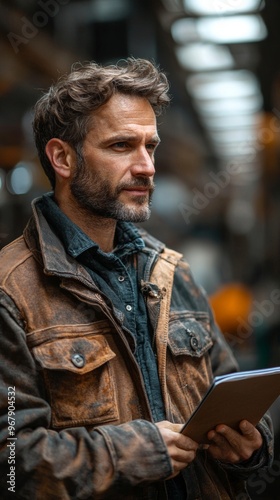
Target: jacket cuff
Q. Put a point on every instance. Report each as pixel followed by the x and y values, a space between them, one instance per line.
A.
pixel 137 451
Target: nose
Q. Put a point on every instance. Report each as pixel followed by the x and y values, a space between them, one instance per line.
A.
pixel 143 163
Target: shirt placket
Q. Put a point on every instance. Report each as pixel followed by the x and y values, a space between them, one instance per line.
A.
pixel 123 280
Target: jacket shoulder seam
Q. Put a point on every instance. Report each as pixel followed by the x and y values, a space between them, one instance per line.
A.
pixel 22 255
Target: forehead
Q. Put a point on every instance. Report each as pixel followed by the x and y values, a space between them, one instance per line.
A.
pixel 125 111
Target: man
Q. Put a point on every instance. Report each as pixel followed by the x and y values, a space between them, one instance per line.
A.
pixel 107 344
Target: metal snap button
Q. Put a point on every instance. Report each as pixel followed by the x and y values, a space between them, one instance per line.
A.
pixel 194 343
pixel 78 360
pixel 128 307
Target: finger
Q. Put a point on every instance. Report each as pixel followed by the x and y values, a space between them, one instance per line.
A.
pixel 183 456
pixel 180 461
pixel 186 443
pixel 218 438
pixel 230 435
pixel 248 430
pixel 232 446
pixel 180 448
pixel 237 448
pixel 221 449
pixel 248 438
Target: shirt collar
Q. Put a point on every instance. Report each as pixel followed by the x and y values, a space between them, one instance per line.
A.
pixel 76 241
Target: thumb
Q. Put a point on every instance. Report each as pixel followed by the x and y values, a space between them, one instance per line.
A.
pixel 247 428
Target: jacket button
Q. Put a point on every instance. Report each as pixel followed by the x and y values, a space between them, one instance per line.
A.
pixel 78 360
pixel 194 343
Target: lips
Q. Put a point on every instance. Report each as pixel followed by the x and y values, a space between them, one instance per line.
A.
pixel 137 189
pixel 144 186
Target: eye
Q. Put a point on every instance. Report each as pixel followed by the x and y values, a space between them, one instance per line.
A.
pixel 151 147
pixel 119 145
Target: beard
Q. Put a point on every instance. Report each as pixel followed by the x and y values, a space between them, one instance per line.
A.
pixel 98 197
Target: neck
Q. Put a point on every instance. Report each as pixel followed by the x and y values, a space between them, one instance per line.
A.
pixel 99 229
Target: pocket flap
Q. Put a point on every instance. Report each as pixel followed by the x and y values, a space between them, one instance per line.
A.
pixel 78 355
pixel 189 336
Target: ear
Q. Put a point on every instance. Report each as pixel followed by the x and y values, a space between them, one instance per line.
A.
pixel 61 156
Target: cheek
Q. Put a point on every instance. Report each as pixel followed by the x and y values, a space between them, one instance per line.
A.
pixel 108 168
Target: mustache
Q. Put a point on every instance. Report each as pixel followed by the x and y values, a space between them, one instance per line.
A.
pixel 143 182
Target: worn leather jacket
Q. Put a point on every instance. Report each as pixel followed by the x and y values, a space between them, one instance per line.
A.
pixel 82 425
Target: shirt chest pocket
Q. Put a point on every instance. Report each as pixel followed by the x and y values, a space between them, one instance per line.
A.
pixel 78 379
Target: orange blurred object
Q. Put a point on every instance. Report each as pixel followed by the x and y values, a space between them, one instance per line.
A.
pixel 229 303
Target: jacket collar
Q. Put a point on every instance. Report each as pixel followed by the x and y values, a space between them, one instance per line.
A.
pixel 47 247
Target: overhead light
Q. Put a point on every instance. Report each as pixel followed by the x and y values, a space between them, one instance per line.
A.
pixel 248 135
pixel 214 7
pixel 225 93
pixel 204 57
pixel 223 85
pixel 221 107
pixel 232 29
pixel 243 168
pixel 243 153
pixel 229 121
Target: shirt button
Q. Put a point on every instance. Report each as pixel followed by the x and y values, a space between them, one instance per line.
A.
pixel 128 307
pixel 121 278
pixel 78 360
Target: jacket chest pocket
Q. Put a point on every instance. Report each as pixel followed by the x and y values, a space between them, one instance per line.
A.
pixel 189 335
pixel 78 380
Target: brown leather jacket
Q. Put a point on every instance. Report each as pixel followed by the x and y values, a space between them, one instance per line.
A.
pixel 83 427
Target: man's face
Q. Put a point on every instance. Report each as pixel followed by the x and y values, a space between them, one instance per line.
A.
pixel 114 177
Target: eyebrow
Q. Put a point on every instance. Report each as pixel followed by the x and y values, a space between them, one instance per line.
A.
pixel 129 137
pixel 156 139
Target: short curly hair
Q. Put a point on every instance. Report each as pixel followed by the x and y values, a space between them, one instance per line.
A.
pixel 65 110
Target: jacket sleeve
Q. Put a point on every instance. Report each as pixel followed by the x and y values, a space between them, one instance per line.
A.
pixel 223 362
pixel 74 463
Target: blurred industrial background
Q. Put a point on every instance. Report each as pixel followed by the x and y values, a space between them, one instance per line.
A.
pixel 218 184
